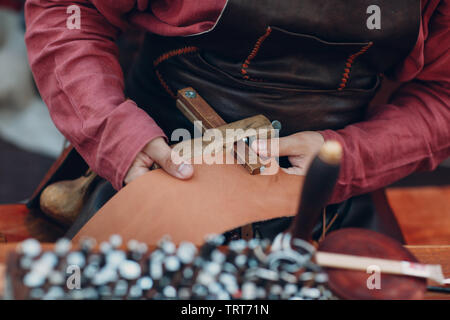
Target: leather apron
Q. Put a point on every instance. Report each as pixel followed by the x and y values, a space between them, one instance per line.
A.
pixel 311 64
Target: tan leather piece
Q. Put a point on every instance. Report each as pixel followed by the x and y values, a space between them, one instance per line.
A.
pixel 218 198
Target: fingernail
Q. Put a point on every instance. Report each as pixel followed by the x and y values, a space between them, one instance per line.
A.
pixel 185 169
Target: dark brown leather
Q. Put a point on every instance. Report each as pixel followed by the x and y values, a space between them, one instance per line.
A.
pixel 294 70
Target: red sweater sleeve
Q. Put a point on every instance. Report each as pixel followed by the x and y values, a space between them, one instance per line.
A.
pixel 412 132
pixel 79 77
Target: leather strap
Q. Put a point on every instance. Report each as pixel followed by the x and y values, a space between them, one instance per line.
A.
pixel 247 232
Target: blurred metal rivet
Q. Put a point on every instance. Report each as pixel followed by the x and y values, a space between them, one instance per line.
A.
pixel 188 273
pixel 37 293
pixel 76 258
pixel 62 246
pixel 33 280
pixel 170 292
pixel 26 262
pixel 115 240
pixel 172 264
pixel 90 294
pixel 321 278
pixel 115 258
pixel 156 270
pixel 121 288
pixel 238 245
pixel 132 245
pixel 54 293
pixel 104 291
pixel 212 268
pixel 129 270
pixel 87 244
pixel 145 283
pixel 31 247
pixel 135 292
pixel 105 247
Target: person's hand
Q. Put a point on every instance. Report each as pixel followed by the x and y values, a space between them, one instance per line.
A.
pixel 300 148
pixel 158 151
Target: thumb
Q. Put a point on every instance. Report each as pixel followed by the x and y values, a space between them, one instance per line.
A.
pixel 277 147
pixel 161 153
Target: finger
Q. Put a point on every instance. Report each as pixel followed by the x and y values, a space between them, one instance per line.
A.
pixel 294 170
pixel 134 173
pixel 142 160
pixel 162 154
pixel 278 147
pixel 138 167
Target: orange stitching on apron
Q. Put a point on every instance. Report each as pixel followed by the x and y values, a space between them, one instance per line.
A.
pixel 165 85
pixel 253 54
pixel 349 64
pixel 166 56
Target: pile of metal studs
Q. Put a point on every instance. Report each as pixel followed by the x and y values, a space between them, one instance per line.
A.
pixel 255 269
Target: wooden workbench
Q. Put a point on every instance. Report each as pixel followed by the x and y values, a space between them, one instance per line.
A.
pixel 434 255
pixel 426 254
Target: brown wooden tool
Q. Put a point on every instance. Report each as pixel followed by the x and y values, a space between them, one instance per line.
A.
pixel 64 200
pixel 319 184
pixel 196 109
pixel 259 124
pixel 432 272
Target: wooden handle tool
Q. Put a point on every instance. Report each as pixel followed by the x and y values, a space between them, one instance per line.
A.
pixel 197 110
pixel 385 266
pixel 64 200
pixel 319 184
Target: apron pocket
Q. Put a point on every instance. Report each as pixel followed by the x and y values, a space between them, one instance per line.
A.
pixel 281 58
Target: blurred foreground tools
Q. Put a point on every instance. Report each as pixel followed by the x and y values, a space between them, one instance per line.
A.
pixel 245 270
